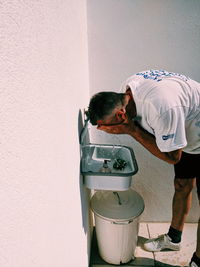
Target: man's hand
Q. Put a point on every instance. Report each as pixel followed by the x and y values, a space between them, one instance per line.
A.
pixel 146 139
pixel 126 127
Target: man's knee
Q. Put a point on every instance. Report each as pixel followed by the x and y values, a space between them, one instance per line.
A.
pixel 184 186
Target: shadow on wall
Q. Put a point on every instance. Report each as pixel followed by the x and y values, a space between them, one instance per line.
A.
pixel 85 193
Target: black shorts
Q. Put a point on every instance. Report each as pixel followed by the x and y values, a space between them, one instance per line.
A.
pixel 188 167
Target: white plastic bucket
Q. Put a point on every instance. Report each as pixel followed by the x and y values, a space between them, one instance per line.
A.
pixel 117 220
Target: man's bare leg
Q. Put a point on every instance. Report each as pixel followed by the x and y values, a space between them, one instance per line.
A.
pixel 181 201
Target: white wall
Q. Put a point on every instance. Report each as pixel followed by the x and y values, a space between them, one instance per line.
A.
pixel 44 83
pixel 127 36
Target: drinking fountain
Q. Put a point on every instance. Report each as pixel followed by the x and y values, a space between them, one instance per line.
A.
pixel 119 160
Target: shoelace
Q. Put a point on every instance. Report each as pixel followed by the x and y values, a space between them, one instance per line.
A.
pixel 157 242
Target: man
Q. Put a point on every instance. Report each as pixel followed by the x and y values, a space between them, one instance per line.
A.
pixel 160 110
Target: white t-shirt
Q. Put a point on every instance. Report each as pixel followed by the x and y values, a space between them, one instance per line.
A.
pixel 168 105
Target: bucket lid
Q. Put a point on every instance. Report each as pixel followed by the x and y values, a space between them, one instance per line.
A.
pixel 120 205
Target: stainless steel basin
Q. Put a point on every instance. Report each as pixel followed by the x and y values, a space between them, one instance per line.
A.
pixel 93 156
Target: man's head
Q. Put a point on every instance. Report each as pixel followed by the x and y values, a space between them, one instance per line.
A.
pixel 108 108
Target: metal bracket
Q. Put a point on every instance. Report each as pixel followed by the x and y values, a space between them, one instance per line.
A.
pixel 85 127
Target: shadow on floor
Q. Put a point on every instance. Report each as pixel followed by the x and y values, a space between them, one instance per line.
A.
pixel 161 264
pixel 141 262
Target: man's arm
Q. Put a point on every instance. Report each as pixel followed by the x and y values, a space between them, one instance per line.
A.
pixel 148 141
pixel 144 138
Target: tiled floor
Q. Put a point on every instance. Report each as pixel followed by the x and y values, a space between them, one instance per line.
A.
pixel 161 259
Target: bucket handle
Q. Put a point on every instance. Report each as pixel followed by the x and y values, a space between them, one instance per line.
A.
pixel 123 223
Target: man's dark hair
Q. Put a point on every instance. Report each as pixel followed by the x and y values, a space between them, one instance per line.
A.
pixel 102 104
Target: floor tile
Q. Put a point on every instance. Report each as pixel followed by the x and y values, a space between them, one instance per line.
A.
pixel 156 229
pixel 175 258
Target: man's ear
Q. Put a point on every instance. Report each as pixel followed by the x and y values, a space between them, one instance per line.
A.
pixel 129 92
pixel 121 114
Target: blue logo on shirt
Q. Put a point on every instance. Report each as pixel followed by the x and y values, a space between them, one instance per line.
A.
pixel 166 137
pixel 158 75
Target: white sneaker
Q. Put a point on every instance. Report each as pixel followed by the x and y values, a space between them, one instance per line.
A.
pixel 192 264
pixel 160 243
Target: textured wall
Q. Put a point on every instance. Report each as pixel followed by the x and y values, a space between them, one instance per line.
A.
pixel 43 60
pixel 127 36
